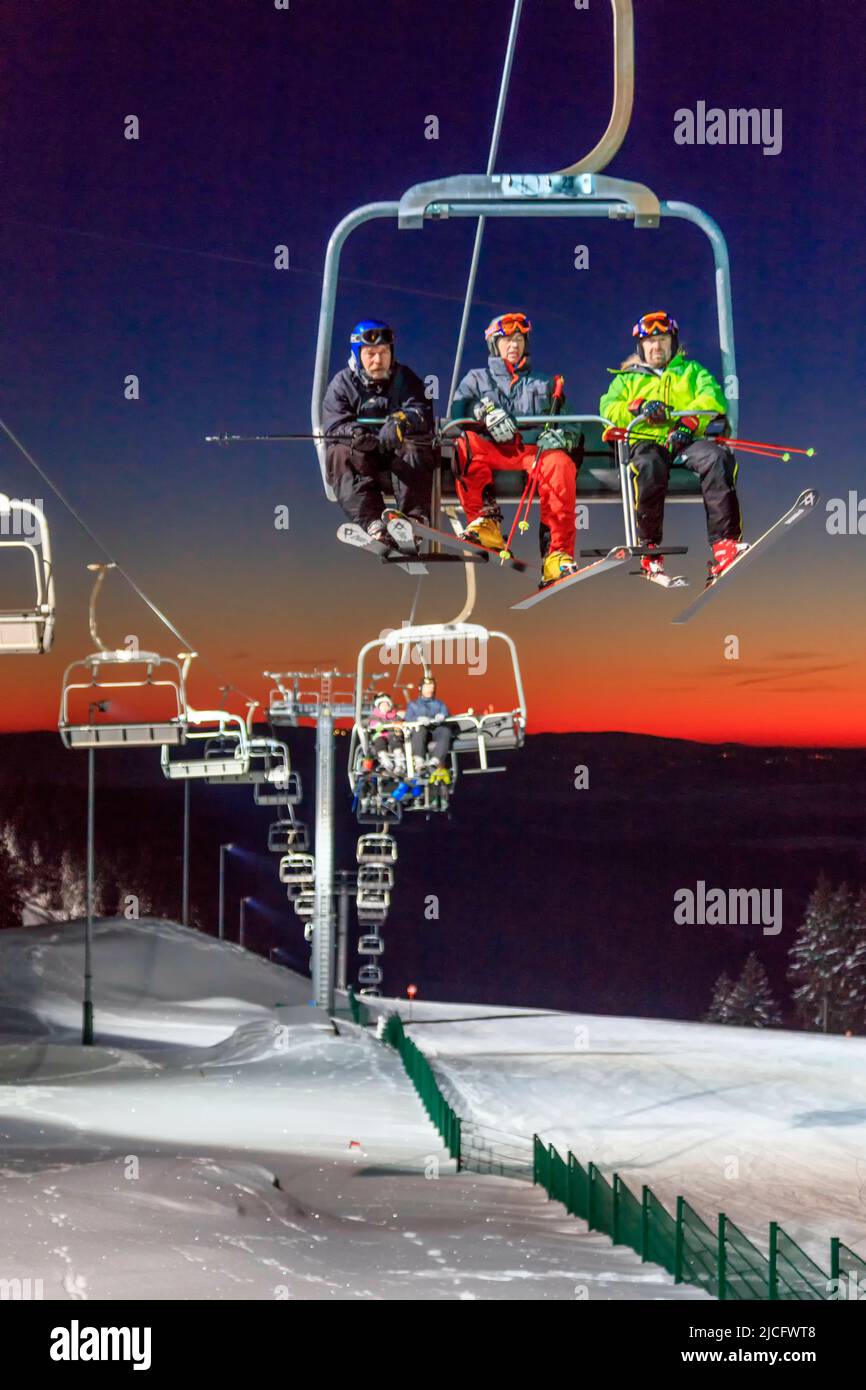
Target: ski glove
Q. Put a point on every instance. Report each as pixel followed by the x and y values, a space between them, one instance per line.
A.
pixel 679 439
pixel 718 425
pixel 394 431
pixel 654 411
pixel 364 441
pixel 500 425
pixel 553 438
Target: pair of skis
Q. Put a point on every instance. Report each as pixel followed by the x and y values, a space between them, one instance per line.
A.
pixel 407 535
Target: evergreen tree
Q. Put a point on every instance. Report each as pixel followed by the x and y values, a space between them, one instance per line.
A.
pixel 11 889
pixel 750 1003
pixel 719 1010
pixel 828 960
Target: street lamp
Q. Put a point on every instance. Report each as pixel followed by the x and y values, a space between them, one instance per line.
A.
pixel 87 1002
pixel 243 915
pixel 222 907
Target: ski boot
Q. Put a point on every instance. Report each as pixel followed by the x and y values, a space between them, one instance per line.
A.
pixel 556 565
pixel 724 555
pixel 441 777
pixel 485 530
pixel 378 531
pixel 652 565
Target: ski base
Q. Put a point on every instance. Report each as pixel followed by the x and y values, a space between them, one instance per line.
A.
pixel 352 534
pixel 803 507
pixel 400 526
pixel 664 581
pixel 617 556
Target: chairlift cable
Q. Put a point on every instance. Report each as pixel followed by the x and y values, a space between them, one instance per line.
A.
pixel 479 231
pixel 188 646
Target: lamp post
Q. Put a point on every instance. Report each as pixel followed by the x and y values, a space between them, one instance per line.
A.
pixel 221 919
pixel 243 918
pixel 87 1001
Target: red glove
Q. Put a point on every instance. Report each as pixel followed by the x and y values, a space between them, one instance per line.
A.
pixel 636 405
pixel 689 422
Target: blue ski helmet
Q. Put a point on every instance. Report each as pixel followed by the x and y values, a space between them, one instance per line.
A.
pixel 369 333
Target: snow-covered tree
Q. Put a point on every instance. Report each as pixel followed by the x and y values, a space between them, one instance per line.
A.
pixel 750 1003
pixel 11 889
pixel 828 960
pixel 719 1010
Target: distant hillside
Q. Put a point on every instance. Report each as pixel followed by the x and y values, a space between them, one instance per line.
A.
pixel 547 895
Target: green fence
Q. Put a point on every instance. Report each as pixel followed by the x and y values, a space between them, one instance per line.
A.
pixel 423 1079
pixel 721 1259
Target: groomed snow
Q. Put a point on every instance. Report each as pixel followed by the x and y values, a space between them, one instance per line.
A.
pixel 145 1167
pixel 761 1124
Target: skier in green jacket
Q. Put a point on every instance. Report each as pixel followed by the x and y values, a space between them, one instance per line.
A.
pixel 657 379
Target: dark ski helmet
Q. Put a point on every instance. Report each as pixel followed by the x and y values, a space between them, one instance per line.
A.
pixel 653 326
pixel 369 333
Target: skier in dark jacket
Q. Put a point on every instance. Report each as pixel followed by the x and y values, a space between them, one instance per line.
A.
pixel 496 395
pixel 363 456
pixel 431 742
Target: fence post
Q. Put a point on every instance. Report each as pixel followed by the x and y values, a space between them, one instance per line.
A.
pixel 835 1261
pixel 615 1221
pixel 722 1258
pixel 590 1190
pixel 644 1223
pixel 572 1196
pixel 680 1241
pixel 550 1153
pixel 535 1147
pixel 774 1260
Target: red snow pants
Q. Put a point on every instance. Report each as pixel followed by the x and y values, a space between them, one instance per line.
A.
pixel 477 457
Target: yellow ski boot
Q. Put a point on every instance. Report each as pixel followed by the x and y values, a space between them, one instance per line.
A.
pixel 557 564
pixel 484 530
pixel 441 776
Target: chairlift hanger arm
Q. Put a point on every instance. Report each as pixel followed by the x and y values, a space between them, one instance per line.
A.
pixel 623 94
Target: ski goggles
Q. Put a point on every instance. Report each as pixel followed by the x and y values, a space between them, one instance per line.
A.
pixel 374 337
pixel 508 324
pixel 653 325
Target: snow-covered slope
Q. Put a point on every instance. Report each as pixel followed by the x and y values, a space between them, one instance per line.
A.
pixel 145 1167
pixel 762 1124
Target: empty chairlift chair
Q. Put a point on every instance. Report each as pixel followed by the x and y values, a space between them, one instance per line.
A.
pixel 27 630
pixel 376 848
pixel 95 681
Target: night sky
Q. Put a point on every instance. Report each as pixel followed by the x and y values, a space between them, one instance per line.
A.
pixel 261 127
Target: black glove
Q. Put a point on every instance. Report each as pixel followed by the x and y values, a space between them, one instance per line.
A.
pixel 654 411
pixel 718 425
pixel 679 439
pixel 364 441
pixel 393 432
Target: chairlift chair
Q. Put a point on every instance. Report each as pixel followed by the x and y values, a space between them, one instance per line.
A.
pixel 225 755
pixel 375 876
pixel 305 904
pixel 29 630
pixel 370 975
pixel 373 899
pixel 288 836
pixel 375 848
pixel 578 191
pixel 370 945
pixel 109 671
pixel 297 868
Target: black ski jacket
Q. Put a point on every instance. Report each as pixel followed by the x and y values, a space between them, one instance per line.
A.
pixel 348 398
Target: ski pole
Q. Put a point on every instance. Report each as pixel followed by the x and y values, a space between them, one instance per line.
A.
pixel 760 444
pixel 557 399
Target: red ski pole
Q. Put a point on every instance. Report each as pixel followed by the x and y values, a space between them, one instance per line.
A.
pixel 525 503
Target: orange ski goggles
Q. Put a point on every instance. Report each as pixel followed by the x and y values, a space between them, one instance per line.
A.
pixel 654 325
pixel 507 324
